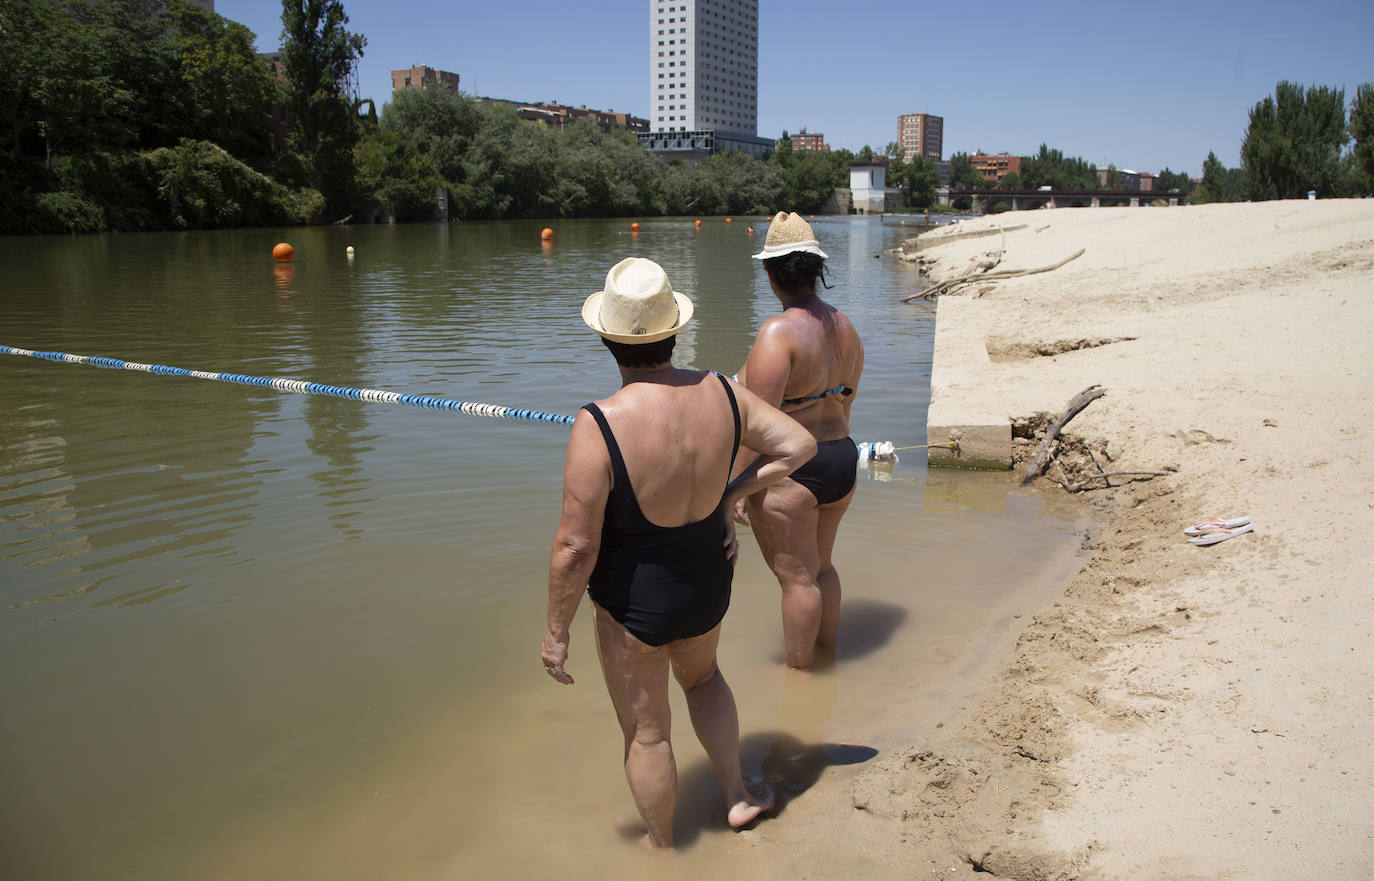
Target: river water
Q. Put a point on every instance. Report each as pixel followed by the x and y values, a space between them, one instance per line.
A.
pixel 253 634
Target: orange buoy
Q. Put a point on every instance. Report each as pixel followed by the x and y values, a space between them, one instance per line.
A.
pixel 634 227
pixel 698 223
pixel 727 220
pixel 546 234
pixel 283 253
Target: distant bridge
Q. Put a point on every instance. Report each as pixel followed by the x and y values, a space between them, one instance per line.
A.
pixel 980 200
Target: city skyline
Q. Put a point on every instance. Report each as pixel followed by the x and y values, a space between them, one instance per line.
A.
pixel 1125 89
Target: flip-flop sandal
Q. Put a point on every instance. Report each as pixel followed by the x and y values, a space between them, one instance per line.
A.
pixel 1219 535
pixel 1211 524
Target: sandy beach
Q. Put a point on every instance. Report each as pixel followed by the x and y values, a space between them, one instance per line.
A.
pixel 1178 711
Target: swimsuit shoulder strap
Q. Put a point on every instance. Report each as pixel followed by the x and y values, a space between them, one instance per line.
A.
pixel 734 408
pixel 622 476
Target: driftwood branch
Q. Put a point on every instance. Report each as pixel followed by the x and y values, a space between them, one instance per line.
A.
pixel 1106 474
pixel 1133 475
pixel 970 277
pixel 1074 407
pixel 1100 469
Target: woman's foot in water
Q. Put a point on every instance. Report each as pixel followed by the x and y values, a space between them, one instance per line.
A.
pixel 744 812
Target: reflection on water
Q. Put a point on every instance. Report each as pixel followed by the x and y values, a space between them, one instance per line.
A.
pixel 253 634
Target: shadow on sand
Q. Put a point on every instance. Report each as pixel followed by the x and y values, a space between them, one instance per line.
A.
pixel 780 761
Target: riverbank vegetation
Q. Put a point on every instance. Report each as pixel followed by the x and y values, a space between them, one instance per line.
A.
pixel 1295 143
pixel 156 114
pixel 143 115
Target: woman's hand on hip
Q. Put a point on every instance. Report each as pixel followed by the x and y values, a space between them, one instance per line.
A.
pixel 731 541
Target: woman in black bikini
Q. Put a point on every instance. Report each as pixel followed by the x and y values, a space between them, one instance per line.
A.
pixel 808 362
pixel 646 522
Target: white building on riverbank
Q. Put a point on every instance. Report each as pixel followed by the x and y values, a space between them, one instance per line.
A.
pixel 703 78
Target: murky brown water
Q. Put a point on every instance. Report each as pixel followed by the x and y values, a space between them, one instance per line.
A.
pixel 247 634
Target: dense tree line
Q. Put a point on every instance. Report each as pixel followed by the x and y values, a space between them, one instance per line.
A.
pixel 1295 143
pixel 155 114
pixel 137 114
pixel 496 165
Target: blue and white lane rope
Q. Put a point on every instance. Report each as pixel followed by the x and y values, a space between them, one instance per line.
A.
pixel 303 387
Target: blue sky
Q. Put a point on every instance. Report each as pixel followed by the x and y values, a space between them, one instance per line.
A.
pixel 1141 86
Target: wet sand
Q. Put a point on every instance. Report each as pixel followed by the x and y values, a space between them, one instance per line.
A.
pixel 1174 711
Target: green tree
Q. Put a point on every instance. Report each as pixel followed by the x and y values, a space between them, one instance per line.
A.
pixel 811 181
pixel 1050 167
pixel 227 89
pixel 962 174
pixel 318 58
pixel 1219 183
pixel 1168 180
pixel 1362 130
pixel 402 182
pixel 918 178
pixel 436 123
pixel 1010 181
pixel 783 153
pixel 1293 142
pixel 77 102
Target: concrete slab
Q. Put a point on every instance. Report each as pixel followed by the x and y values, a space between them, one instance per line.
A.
pixel 960 409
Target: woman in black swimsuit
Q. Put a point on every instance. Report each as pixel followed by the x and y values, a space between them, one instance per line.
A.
pixel 646 522
pixel 808 362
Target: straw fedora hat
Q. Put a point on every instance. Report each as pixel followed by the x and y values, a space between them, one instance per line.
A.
pixel 638 304
pixel 788 233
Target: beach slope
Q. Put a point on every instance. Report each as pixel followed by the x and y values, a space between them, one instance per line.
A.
pixel 1179 711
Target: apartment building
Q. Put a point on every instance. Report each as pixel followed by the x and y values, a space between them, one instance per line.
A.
pixel 804 141
pixel 703 78
pixel 558 115
pixel 995 167
pixel 920 134
pixel 421 76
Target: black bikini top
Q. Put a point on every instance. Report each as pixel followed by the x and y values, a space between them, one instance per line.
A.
pixel 837 390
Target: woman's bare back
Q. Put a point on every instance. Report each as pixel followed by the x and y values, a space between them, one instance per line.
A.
pixel 677 439
pixel 800 357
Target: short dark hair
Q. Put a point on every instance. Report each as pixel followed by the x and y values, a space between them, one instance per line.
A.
pixel 798 270
pixel 642 354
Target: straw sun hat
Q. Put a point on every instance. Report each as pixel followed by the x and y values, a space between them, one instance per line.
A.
pixel 788 233
pixel 638 304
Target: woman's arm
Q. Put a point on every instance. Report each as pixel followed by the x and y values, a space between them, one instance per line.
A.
pixel 769 364
pixel 780 442
pixel 586 487
pixel 765 373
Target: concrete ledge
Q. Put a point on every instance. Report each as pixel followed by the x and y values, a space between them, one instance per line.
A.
pixel 958 397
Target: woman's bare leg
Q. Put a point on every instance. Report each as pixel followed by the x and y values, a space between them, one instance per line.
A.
pixel 784 518
pixel 827 578
pixel 637 678
pixel 715 719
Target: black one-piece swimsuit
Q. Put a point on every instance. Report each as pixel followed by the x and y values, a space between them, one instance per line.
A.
pixel 660 582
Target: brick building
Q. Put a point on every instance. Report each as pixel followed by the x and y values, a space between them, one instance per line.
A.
pixel 421 76
pixel 813 142
pixel 558 115
pixel 921 133
pixel 994 168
